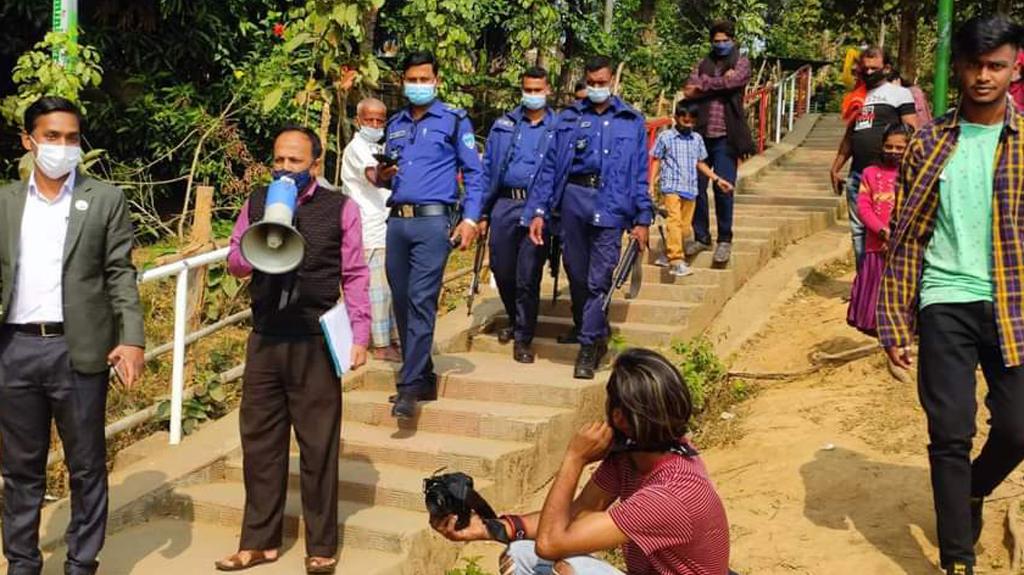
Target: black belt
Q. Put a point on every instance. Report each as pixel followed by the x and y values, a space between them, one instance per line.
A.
pixel 518 194
pixel 39 329
pixel 586 180
pixel 420 210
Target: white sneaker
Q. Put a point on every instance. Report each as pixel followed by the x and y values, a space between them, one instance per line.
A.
pixel 661 262
pixel 680 270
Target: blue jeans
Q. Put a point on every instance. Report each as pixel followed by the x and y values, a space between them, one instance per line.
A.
pixel 856 226
pixel 725 165
pixel 526 562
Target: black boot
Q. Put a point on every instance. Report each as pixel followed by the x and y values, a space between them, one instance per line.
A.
pixel 427 393
pixel 522 352
pixel 977 522
pixel 572 337
pixel 586 362
pixel 505 335
pixel 404 407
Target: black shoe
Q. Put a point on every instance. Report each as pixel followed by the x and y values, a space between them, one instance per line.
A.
pixel 977 522
pixel 586 362
pixel 428 393
pixel 404 407
pixel 572 337
pixel 505 335
pixel 960 569
pixel 522 353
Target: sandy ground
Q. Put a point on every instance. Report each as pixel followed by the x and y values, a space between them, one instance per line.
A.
pixel 828 473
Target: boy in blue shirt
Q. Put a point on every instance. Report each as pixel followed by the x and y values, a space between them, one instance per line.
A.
pixel 683 153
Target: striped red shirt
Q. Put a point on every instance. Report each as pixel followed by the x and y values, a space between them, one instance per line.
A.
pixel 673 517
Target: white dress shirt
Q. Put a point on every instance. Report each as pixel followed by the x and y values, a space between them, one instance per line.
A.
pixel 39 269
pixel 372 201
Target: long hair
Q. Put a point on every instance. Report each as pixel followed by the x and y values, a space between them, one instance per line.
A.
pixel 652 395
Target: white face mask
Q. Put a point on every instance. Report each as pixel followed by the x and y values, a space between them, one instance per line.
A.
pixel 370 134
pixel 57 161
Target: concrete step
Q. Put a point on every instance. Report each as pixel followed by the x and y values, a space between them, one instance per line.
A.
pixel 366 527
pixel 634 311
pixel 486 419
pixel 486 374
pixel 635 334
pixel 366 483
pixel 546 348
pixel 826 201
pixel 164 545
pixel 428 451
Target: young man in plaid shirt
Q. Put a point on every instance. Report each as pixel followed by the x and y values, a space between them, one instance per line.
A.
pixel 954 272
pixel 679 154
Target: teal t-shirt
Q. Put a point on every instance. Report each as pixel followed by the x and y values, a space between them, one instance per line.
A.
pixel 958 259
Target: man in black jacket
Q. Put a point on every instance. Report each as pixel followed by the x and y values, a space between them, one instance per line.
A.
pixel 718 84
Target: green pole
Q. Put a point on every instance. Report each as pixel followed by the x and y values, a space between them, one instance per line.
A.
pixel 940 97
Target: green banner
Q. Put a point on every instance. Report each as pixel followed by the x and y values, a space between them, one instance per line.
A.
pixel 65 19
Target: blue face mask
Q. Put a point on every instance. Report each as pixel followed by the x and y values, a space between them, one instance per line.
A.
pixel 301 179
pixel 534 101
pixel 598 95
pixel 723 48
pixel 372 135
pixel 420 94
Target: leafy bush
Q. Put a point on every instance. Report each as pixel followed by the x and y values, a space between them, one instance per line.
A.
pixel 701 368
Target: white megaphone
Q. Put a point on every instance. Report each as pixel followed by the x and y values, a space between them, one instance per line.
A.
pixel 273 246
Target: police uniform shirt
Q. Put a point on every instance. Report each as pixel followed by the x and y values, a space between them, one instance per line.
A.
pixel 430 153
pixel 594 138
pixel 527 152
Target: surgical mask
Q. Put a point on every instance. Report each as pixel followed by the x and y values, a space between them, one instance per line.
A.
pixel 301 179
pixel 420 94
pixel 874 79
pixel 370 134
pixel 535 101
pixel 891 159
pixel 598 95
pixel 57 161
pixel 723 48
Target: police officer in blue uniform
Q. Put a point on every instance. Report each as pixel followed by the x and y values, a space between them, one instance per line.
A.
pixel 512 158
pixel 432 142
pixel 594 176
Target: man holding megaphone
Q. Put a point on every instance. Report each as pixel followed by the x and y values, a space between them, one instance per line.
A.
pixel 305 245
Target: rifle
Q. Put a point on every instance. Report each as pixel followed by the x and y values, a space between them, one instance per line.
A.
pixel 554 263
pixel 478 266
pixel 623 272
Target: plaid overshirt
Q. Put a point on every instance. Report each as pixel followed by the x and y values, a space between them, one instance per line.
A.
pixel 913 222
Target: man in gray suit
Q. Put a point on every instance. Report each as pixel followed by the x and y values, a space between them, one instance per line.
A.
pixel 69 311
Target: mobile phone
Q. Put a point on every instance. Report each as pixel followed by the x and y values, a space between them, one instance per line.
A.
pixel 121 378
pixel 385 161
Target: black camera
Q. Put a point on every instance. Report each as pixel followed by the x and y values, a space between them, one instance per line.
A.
pixel 453 494
pixel 449 494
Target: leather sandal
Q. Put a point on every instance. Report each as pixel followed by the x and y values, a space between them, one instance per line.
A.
pixel 235 563
pixel 328 567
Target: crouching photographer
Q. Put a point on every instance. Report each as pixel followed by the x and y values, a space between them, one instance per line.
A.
pixel 668 519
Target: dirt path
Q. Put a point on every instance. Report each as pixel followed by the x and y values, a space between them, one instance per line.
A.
pixel 828 473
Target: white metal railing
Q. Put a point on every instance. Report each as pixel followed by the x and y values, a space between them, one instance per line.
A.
pixel 181 269
pixel 787 93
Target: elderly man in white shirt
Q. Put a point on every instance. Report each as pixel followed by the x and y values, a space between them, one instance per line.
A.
pixel 358 170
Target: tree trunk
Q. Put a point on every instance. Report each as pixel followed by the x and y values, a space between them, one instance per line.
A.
pixel 609 12
pixel 646 15
pixel 908 40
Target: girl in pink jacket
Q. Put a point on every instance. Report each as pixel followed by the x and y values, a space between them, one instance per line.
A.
pixel 874 206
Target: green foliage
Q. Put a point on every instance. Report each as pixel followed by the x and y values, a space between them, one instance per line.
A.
pixel 38 73
pixel 701 368
pixel 209 402
pixel 471 566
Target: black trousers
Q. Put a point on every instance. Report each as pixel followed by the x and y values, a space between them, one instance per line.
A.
pixel 37 385
pixel 955 339
pixel 290 382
